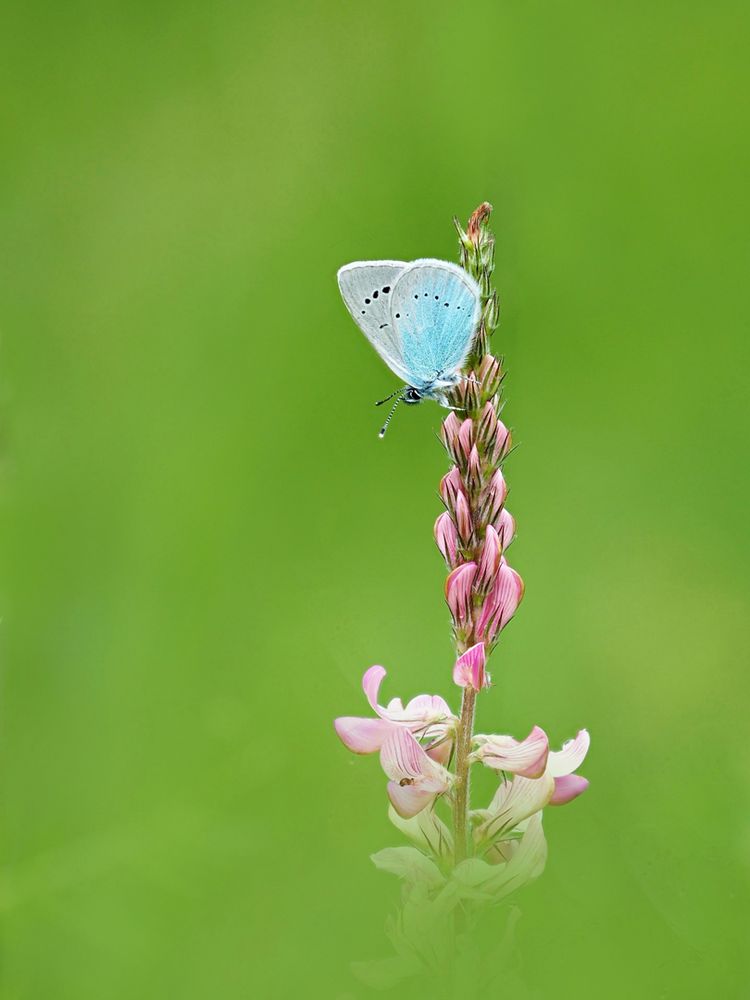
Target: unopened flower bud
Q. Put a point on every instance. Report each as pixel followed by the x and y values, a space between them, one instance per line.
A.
pixel 451 486
pixel 490 375
pixel 503 442
pixel 463 517
pixel 449 434
pixel 474 469
pixel 487 426
pixel 446 538
pixel 489 561
pixel 466 437
pixel 495 498
pixel 500 604
pixel 506 528
pixel 458 593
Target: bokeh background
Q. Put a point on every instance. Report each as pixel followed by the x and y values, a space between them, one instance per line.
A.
pixel 205 544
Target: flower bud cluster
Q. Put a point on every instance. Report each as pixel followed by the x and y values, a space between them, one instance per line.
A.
pixel 474 531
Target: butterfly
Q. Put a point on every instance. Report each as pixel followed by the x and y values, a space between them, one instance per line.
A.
pixel 421 318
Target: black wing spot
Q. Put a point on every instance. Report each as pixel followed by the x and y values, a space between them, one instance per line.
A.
pixel 364 311
pixel 416 296
pixel 375 294
pixel 447 304
pixel 437 297
pixel 398 315
pixel 382 326
pixel 386 289
pixel 367 302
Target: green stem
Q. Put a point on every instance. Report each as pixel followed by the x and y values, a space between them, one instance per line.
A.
pixel 463 775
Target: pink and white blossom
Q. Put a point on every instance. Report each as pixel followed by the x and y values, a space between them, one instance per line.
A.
pixel 526 757
pixel 427 716
pixel 416 779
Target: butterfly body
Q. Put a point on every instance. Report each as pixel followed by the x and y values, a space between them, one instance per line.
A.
pixel 421 318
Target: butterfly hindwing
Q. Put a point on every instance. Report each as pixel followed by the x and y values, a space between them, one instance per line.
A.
pixel 434 310
pixel 366 288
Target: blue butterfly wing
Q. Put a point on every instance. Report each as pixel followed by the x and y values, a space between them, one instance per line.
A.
pixel 434 312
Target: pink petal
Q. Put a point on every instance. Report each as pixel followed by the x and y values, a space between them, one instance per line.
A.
pixel 466 436
pixel 506 528
pixel 489 561
pixel 362 735
pixel 371 682
pixel 426 708
pixel 469 668
pixel 446 537
pixel 408 800
pixel 458 591
pixel 440 751
pixel 463 517
pixel 567 788
pixel 501 603
pixel 401 756
pixel 527 758
pixel 570 758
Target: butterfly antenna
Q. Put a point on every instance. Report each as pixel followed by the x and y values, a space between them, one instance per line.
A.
pixel 381 401
pixel 384 428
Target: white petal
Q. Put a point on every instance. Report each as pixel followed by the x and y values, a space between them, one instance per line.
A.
pixel 570 758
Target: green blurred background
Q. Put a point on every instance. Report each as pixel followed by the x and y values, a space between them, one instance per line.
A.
pixel 205 544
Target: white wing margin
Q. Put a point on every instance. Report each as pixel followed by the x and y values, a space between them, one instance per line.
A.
pixel 366 287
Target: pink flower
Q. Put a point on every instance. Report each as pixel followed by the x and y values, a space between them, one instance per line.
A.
pixel 469 669
pixel 502 753
pixel 428 716
pixel 500 604
pixel 416 779
pixel 524 796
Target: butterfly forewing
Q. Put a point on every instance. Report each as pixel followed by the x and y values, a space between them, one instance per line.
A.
pixel 434 310
pixel 366 288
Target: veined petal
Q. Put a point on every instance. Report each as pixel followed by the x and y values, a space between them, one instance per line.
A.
pixel 570 758
pixel 469 668
pixel 514 802
pixel 426 830
pixel 362 735
pixel 526 863
pixel 425 708
pixel 527 758
pixel 567 788
pixel 408 800
pixel 402 758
